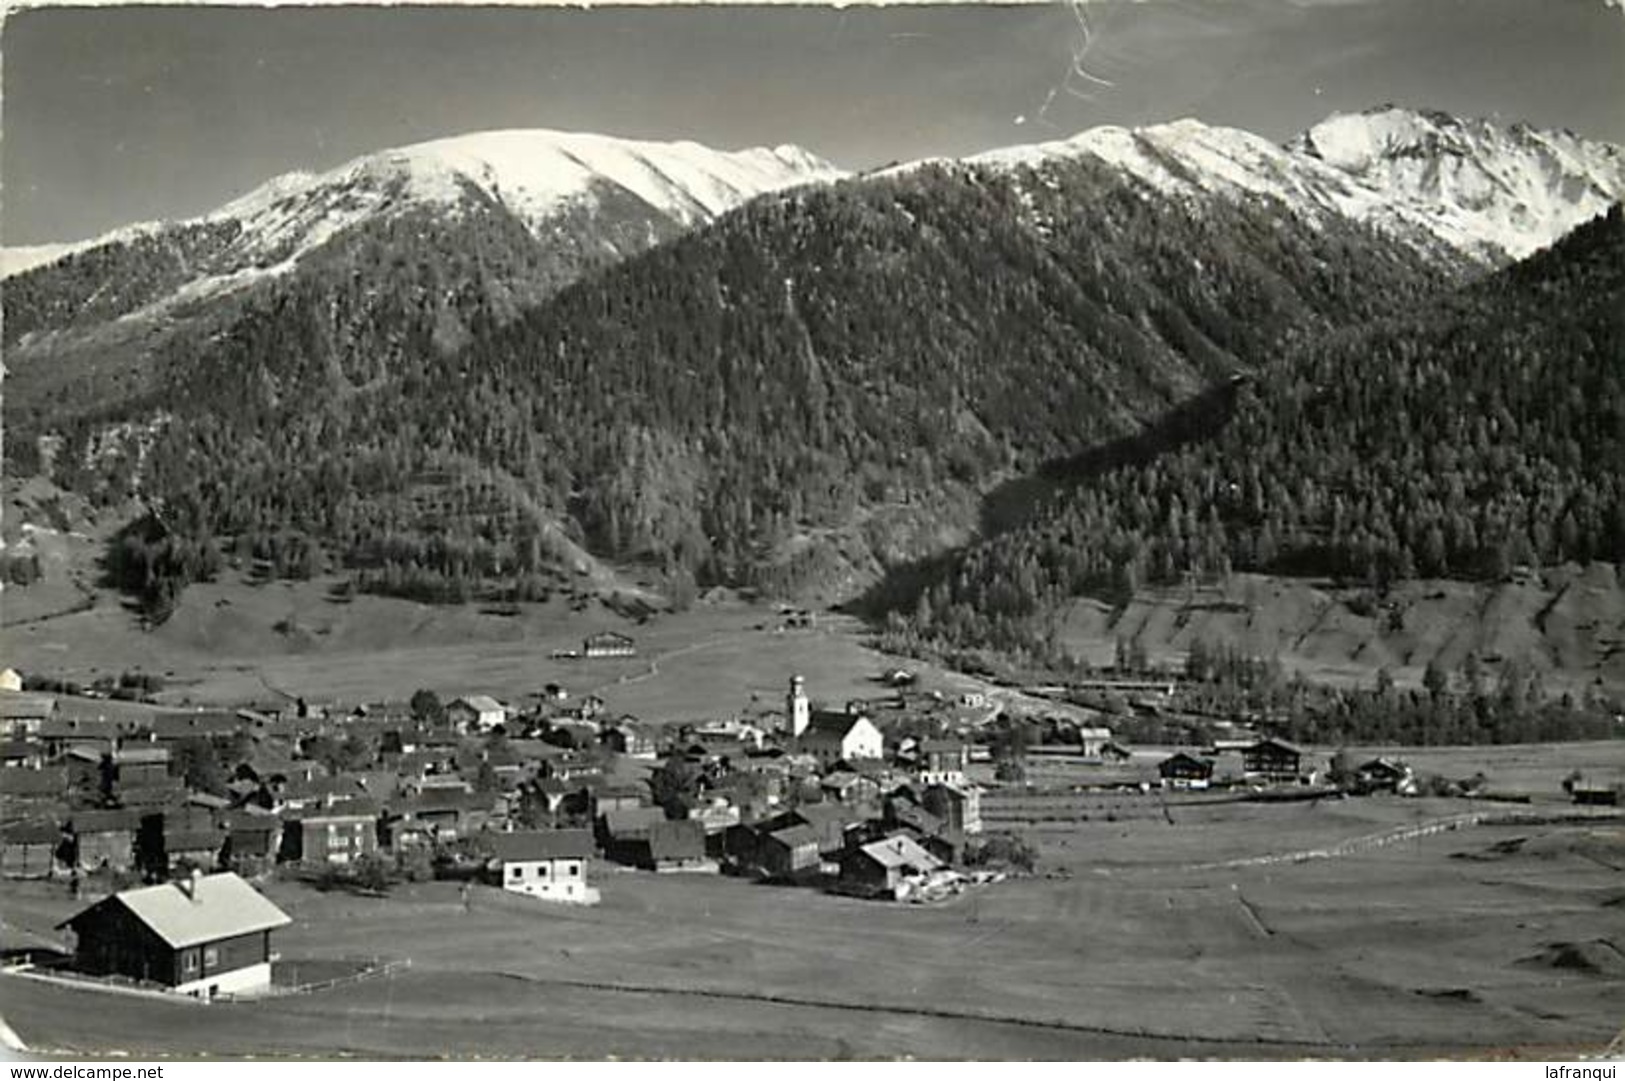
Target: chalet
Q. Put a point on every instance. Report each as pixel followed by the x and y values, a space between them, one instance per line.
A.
pixel 21 754
pixel 58 733
pixel 547 864
pixel 889 868
pixel 616 797
pixel 943 761
pixel 29 850
pixel 608 644
pixel 1272 760
pixel 629 737
pixel 1382 775
pixel 203 936
pixel 846 786
pixel 103 839
pixel 137 767
pixel 788 853
pixel 476 713
pixel 10 680
pixel 1183 770
pixel 24 715
pixel 34 785
pixel 339 833
pixel 958 805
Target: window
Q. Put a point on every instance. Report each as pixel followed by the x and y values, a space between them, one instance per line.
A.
pixel 188 960
pixel 575 869
pixel 211 956
pixel 518 872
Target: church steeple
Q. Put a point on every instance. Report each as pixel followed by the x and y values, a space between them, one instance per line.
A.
pixel 797 712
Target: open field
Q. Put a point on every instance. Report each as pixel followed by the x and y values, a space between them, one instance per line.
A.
pixel 1486 941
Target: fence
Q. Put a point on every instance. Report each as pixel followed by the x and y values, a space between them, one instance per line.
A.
pixel 377 968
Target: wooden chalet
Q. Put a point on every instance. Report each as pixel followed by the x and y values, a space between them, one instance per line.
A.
pixel 29 850
pixel 203 936
pixel 1185 770
pixel 608 644
pixel 888 868
pixel 1272 760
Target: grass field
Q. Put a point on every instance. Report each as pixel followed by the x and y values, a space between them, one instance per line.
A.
pixel 1487 941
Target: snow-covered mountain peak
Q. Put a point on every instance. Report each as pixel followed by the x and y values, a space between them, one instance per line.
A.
pixel 533 173
pixel 1493 192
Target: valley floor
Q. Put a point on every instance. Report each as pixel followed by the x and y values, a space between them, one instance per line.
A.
pixel 1485 942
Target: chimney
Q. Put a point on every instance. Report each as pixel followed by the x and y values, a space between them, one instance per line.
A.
pixel 189 884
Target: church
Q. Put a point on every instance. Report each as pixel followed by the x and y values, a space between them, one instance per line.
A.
pixel 830 736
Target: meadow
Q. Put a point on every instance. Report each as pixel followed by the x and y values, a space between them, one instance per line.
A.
pixel 1490 941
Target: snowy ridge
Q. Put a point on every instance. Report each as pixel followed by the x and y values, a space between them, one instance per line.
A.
pixel 1490 192
pixel 535 174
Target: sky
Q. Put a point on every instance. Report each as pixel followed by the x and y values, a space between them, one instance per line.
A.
pixel 112 115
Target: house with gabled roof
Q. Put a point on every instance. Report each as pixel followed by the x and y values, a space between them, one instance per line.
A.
pixel 29 849
pixel 202 936
pixel 1273 759
pixel 550 865
pixel 889 868
pixel 24 714
pixel 476 713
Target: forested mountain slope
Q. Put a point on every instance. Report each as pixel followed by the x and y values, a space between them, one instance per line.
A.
pixel 1480 431
pixel 816 386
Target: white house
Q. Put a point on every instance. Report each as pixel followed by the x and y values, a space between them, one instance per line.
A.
pixel 546 864
pixel 477 713
pixel 10 680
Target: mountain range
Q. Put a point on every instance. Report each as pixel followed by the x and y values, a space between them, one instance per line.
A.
pixel 452 365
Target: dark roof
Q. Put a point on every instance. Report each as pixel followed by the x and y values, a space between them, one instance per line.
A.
pixel 680 840
pixel 795 836
pixel 193 840
pixel 104 821
pixel 22 706
pixel 541 845
pixel 1272 743
pixel 33 782
pixel 830 724
pixel 633 821
pixel 344 808
pixel 200 723
pixel 19 748
pixel 30 833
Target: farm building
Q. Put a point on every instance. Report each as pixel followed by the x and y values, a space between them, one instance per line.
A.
pixel 1382 775
pixel 203 936
pixel 608 644
pixel 887 868
pixel 24 715
pixel 29 850
pixel 678 846
pixel 1093 741
pixel 174 841
pixel 548 864
pixel 1272 760
pixel 1183 770
pixel 10 680
pixel 476 713
pixel 788 853
pixel 252 842
pixel 103 839
pixel 199 724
